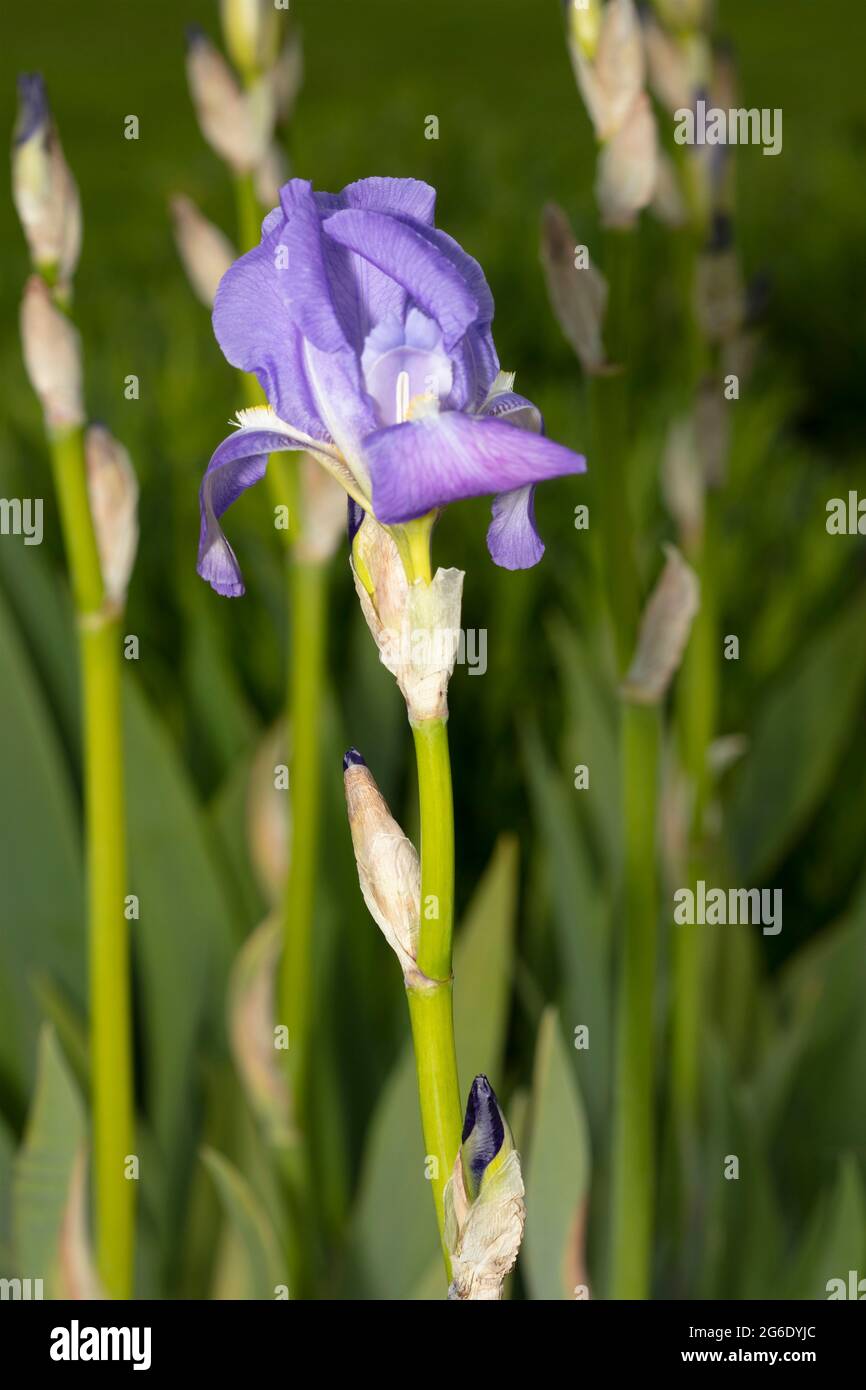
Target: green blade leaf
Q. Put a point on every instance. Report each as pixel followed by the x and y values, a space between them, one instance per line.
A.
pixel 256 1269
pixel 799 737
pixel 44 1166
pixel 556 1171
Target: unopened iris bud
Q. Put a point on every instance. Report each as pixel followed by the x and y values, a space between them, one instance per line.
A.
pixel 52 356
pixel 236 124
pixel 252 32
pixel 113 490
pixel 205 251
pixel 287 76
pixel 486 1140
pixel 44 191
pixel 416 626
pixel 389 870
pixel 484 1208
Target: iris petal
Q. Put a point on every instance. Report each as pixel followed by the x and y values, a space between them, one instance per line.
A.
pixel 512 538
pixel 401 252
pixel 237 464
pixel 429 462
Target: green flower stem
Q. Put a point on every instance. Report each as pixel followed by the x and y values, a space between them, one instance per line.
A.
pixel 249 211
pixel 633 1138
pixel 430 1006
pixel 430 1013
pixel 633 1151
pixel 110 1008
pixel 308 603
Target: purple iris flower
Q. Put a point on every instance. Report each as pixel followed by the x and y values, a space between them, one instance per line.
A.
pixel 369 331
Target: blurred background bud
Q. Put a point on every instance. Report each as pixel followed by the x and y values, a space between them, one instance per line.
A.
pixel 389 870
pixel 269 814
pixel 664 631
pixel 684 14
pixel 52 356
pixel 251 29
pixel 484 1207
pixel 670 74
pixel 270 176
pixel 236 124
pixel 44 191
pixel 578 293
pixel 626 178
pixel 613 79
pixel 253 1031
pixel 322 530
pixel 113 490
pixel 205 251
pixel 668 203
pixel 583 19
pixel 287 76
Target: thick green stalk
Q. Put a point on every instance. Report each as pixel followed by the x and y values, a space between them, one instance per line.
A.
pixel 110 1006
pixel 633 1138
pixel 430 1007
pixel 307 599
pixel 633 1153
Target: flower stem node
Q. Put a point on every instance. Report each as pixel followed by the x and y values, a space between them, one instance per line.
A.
pixel 484 1206
pixel 415 625
pixel 52 357
pixel 389 870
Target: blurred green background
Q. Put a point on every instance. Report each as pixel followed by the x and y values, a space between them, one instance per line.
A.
pixel 512 135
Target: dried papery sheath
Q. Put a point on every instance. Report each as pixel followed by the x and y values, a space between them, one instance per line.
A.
pixel 664 631
pixel 252 34
pixel 668 203
pixel 683 484
pixel 389 870
pixel 52 356
pixel 416 627
pixel 484 1207
pixel 205 251
pixel 670 72
pixel 269 813
pixel 113 491
pixel 254 1031
pixel 45 193
pixel 578 294
pixel 236 124
pixel 270 175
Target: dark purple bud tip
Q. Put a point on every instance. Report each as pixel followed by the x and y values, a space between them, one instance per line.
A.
pixel 32 106
pixel 352 759
pixel 483 1133
pixel 354 519
pixel 194 34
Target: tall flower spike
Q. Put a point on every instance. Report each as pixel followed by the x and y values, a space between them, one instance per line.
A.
pixel 44 191
pixel 484 1207
pixel 389 871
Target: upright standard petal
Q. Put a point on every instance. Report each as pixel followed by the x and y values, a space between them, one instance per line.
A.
pixel 428 462
pixel 403 253
pixel 238 463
